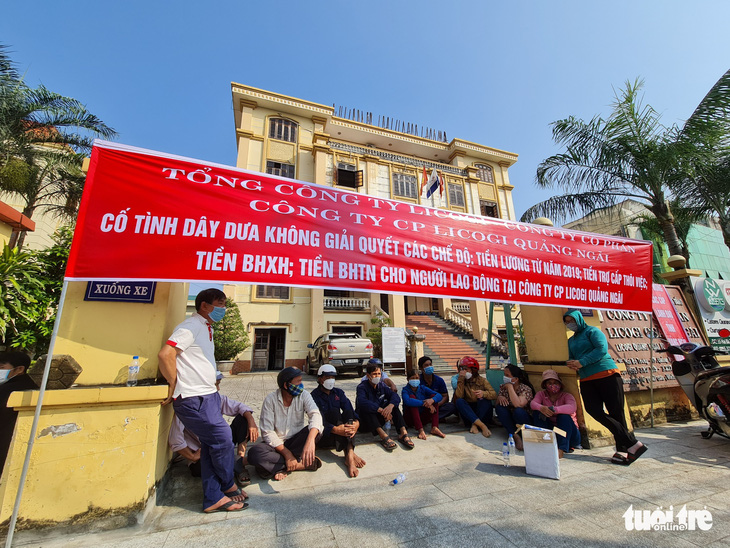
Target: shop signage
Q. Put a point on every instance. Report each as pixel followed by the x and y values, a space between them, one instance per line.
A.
pixel 149 216
pixel 715 309
pixel 128 292
pixel 630 337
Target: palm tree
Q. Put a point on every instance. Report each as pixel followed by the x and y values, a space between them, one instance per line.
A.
pixel 43 139
pixel 628 155
pixel 707 184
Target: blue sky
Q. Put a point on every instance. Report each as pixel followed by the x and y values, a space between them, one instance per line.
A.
pixel 496 73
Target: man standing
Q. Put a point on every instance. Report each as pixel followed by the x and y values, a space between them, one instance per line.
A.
pixel 187 361
pixel 13 378
pixel 339 418
pixel 291 425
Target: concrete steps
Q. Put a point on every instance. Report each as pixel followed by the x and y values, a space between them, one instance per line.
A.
pixel 445 344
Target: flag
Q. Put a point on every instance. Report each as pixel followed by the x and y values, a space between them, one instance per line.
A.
pixel 423 181
pixel 433 184
pixel 441 184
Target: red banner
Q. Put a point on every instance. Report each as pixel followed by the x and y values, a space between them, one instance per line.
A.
pixel 150 216
pixel 667 317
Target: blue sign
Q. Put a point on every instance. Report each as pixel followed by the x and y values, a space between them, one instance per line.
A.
pixel 128 292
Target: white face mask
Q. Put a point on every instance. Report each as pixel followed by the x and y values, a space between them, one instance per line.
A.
pixel 571 326
pixel 468 376
pixel 375 380
pixel 329 384
pixel 4 375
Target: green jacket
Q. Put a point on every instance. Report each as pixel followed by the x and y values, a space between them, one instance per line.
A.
pixel 588 345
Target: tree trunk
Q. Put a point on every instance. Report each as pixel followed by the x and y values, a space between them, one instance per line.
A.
pixel 666 221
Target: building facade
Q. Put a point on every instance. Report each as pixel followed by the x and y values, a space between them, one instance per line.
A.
pixel 349 150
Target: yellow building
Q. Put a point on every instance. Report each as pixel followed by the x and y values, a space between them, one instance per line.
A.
pixel 353 150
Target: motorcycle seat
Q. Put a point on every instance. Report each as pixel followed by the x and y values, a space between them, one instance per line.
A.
pixel 702 375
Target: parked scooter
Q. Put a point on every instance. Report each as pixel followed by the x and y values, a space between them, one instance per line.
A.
pixel 706 384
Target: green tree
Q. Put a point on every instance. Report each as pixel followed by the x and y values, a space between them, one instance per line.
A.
pixel 19 284
pixel 628 155
pixel 43 139
pixel 375 333
pixel 706 185
pixel 230 335
pixel 34 330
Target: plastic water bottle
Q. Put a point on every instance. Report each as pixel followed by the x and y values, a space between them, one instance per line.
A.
pixel 133 371
pixel 400 478
pixel 505 453
pixel 511 445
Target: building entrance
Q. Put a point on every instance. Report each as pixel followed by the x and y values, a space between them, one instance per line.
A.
pixel 268 349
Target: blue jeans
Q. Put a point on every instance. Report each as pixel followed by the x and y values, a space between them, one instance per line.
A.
pixel 564 422
pixel 202 416
pixel 510 418
pixel 470 412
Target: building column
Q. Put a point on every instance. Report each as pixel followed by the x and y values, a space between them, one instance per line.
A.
pixel 397 306
pixel 316 314
pixel 479 320
pixel 245 132
pixel 443 305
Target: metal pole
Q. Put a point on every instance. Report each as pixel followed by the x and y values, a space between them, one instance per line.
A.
pixel 510 333
pixel 489 334
pixel 651 365
pixel 36 417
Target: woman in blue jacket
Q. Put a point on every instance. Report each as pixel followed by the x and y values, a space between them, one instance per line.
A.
pixel 420 406
pixel 601 384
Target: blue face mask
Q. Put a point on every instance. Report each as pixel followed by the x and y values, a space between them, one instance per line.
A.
pixel 217 314
pixel 4 375
pixel 428 370
pixel 414 383
pixel 295 389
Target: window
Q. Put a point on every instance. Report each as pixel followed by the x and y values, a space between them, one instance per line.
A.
pixel 346 175
pixel 485 173
pixel 456 195
pixel 488 209
pixel 405 185
pixel 272 292
pixel 280 169
pixel 284 130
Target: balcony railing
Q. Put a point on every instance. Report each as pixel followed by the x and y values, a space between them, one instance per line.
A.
pixel 346 303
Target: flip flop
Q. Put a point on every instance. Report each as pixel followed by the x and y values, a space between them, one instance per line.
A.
pixel 226 507
pixel 631 457
pixel 388 444
pixel 316 465
pixel 243 479
pixel 618 458
pixel 237 494
pixel 406 444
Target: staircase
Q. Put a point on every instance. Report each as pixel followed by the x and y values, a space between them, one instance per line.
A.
pixel 445 344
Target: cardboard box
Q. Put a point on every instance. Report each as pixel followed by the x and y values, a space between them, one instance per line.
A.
pixel 541 452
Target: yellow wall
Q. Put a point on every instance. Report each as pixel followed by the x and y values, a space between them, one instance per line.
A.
pixel 103 336
pixel 98 451
pixel 5 232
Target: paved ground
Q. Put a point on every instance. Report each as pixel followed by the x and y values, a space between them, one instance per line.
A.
pixel 458 493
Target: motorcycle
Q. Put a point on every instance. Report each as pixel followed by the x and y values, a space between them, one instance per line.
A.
pixel 705 382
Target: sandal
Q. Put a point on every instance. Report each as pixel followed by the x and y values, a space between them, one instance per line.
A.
pixel 388 444
pixel 243 478
pixel 631 457
pixel 406 441
pixel 238 495
pixel 316 465
pixel 226 507
pixel 618 458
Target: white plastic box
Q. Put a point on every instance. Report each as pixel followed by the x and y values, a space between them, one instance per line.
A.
pixel 541 452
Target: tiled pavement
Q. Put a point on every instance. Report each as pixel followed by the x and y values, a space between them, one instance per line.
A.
pixel 457 493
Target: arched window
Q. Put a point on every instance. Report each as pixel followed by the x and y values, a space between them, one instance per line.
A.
pixel 485 173
pixel 283 130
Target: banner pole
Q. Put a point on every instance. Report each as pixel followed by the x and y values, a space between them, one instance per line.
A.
pixel 651 365
pixel 36 417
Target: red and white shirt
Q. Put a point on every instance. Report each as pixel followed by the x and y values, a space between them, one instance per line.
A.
pixel 196 367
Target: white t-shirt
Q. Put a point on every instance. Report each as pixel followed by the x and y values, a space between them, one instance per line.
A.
pixel 196 367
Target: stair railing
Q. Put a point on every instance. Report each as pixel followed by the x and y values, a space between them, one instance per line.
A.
pixel 459 320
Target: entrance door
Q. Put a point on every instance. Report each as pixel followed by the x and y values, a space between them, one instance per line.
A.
pixel 268 349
